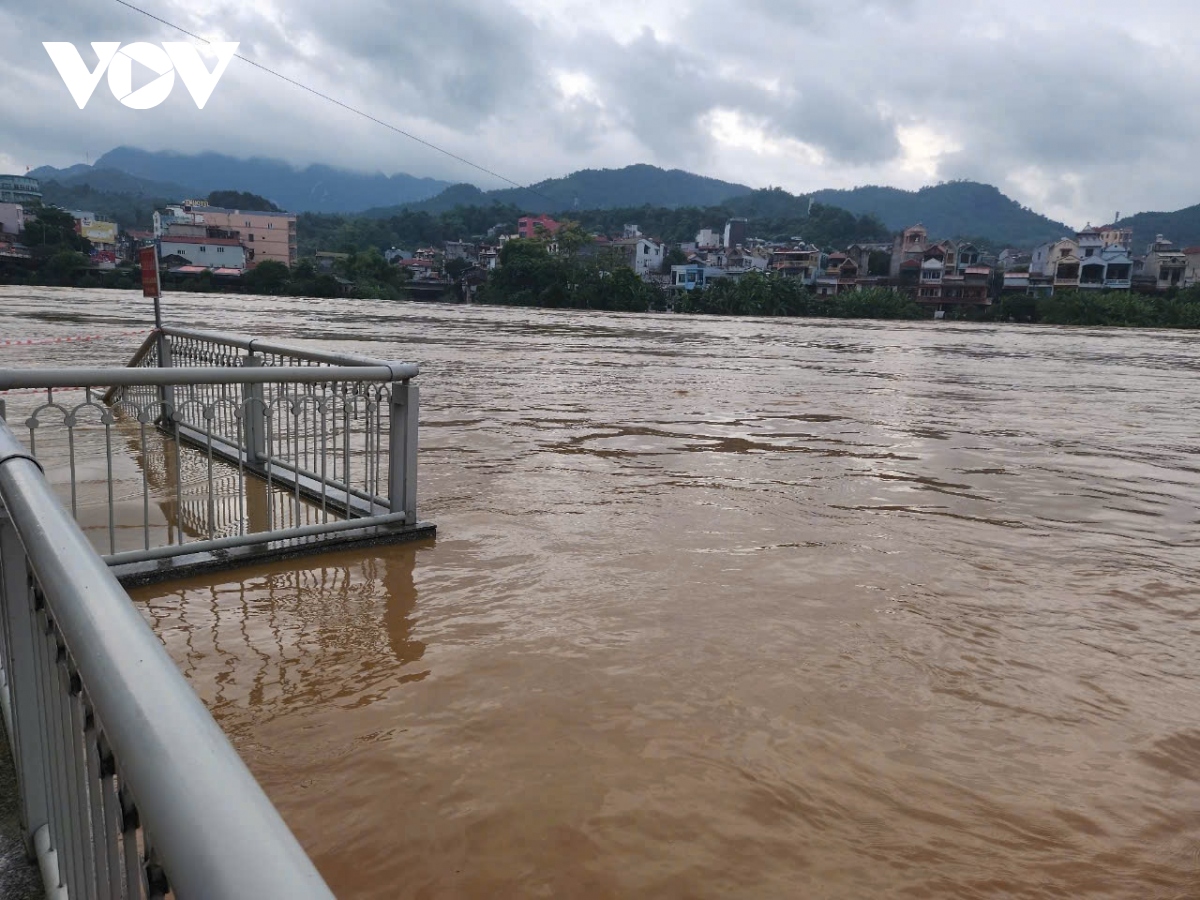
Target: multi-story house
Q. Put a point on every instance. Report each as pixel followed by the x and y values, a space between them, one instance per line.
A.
pixel 1165 264
pixel 747 260
pixel 802 263
pixel 909 246
pixel 1047 256
pixel 1116 236
pixel 20 189
pixel 266 235
pixel 707 239
pixel 957 256
pixel 536 226
pixel 840 275
pixel 1109 268
pixel 1090 242
pixel 1065 271
pixel 933 272
pixel 736 232
pixel 643 255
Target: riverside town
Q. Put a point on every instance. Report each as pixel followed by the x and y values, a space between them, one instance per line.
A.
pixel 599 451
pixel 734 265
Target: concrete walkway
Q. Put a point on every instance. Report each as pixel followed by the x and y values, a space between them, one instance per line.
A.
pixel 19 878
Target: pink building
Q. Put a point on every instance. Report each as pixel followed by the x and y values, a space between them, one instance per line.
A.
pixel 265 235
pixel 532 226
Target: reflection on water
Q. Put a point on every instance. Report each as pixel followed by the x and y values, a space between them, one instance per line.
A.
pixel 293 635
pixel 729 609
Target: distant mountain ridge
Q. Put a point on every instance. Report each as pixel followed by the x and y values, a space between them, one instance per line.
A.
pixel 950 210
pixel 634 185
pixel 961 209
pixel 112 181
pixel 315 188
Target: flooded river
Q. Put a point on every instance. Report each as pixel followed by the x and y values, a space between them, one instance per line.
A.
pixel 726 608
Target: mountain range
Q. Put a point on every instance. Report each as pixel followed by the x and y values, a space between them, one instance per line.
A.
pixel 311 189
pixel 131 179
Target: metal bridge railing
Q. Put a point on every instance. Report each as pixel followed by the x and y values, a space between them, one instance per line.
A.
pixel 128 787
pixel 209 442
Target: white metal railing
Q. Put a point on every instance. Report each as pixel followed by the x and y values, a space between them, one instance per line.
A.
pixel 235 442
pixel 128 787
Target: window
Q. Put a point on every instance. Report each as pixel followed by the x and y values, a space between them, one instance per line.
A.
pixel 220 249
pixel 203 249
pixel 270 224
pixel 1090 251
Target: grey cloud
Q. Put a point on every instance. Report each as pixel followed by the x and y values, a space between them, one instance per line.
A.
pixel 1082 116
pixel 456 63
pixel 848 126
pixel 659 91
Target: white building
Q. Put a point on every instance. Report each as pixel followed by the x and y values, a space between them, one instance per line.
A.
pixel 12 218
pixel 1191 275
pixel 641 254
pixel 707 239
pixel 1165 263
pixel 215 253
pixel 1047 257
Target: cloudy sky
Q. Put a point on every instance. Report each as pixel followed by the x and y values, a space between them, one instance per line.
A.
pixel 1073 108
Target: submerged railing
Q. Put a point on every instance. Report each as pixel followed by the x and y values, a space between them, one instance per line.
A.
pixel 236 443
pixel 204 447
pixel 128 787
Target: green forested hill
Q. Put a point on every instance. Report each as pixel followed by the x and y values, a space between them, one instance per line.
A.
pixel 1182 227
pixel 952 210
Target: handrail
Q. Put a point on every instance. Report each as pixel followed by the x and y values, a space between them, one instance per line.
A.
pixel 258 345
pixel 11 379
pixel 143 351
pixel 211 827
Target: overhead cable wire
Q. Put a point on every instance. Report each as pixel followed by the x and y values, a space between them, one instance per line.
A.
pixel 345 106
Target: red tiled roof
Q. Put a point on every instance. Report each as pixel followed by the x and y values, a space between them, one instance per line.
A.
pixel 181 239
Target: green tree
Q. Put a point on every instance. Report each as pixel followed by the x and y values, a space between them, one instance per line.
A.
pixel 52 229
pixel 456 268
pixel 268 277
pixel 673 257
pixel 241 200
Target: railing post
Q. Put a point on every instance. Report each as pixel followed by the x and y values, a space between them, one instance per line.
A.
pixel 166 393
pixel 402 451
pixel 254 410
pixel 27 741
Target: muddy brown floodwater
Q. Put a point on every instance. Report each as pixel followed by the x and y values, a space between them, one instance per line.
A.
pixel 726 608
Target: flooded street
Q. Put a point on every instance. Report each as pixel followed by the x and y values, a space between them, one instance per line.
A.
pixel 725 608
